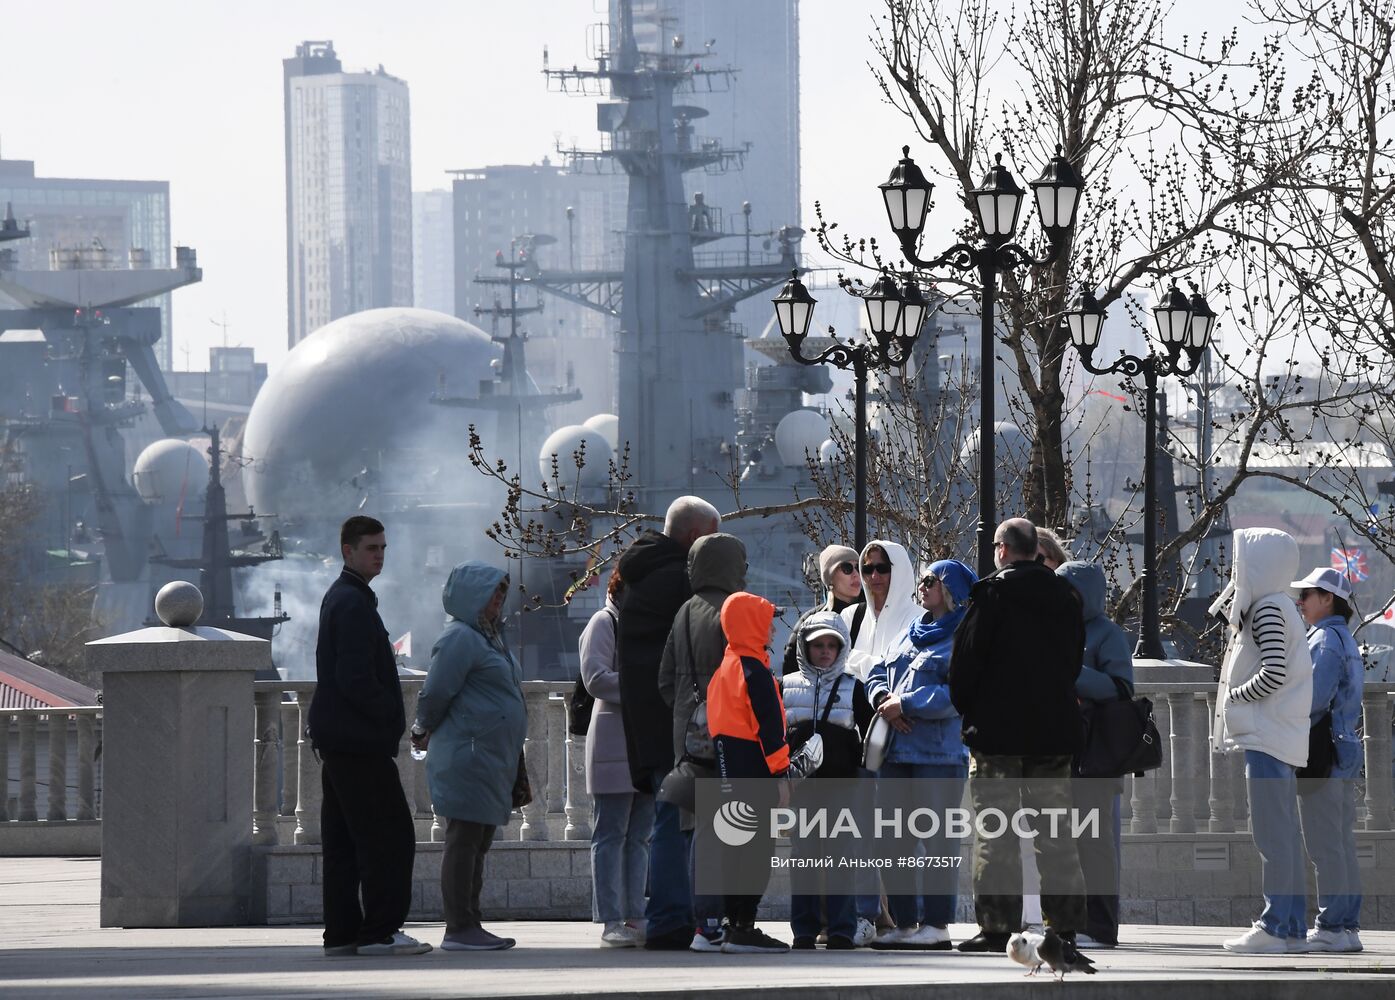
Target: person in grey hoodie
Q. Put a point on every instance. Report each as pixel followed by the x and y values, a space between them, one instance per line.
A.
pixel 695 647
pixel 471 720
pixel 1106 673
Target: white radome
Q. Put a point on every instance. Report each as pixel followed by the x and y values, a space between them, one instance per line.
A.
pixel 608 424
pixel 565 442
pixel 169 471
pixel 800 433
pixel 829 452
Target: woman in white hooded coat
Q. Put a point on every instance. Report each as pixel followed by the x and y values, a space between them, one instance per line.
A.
pixel 1262 708
pixel 889 585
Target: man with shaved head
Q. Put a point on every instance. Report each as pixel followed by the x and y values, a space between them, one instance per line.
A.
pixel 1017 654
pixel 655 571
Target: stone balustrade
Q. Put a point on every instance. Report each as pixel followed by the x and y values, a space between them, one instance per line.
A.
pixel 1196 790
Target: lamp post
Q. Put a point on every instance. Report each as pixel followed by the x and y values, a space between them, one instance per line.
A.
pixel 1185 326
pixel 996 204
pixel 894 319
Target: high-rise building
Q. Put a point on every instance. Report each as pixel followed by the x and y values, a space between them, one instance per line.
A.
pixel 433 251
pixel 569 345
pixel 348 190
pixel 102 223
pixel 758 106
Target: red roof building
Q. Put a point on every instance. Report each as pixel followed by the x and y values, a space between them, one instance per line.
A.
pixel 27 685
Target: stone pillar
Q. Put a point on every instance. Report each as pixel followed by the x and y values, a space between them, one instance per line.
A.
pixel 290 762
pixel 1221 803
pixel 177 757
pixel 578 805
pixel 309 792
pixel 4 767
pixel 1375 701
pixel 86 767
pixel 268 753
pixel 28 786
pixel 535 760
pixel 57 767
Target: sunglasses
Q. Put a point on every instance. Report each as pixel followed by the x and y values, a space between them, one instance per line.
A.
pixel 929 582
pixel 847 568
pixel 871 569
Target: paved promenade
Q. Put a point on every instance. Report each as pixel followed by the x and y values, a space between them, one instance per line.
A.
pixel 51 947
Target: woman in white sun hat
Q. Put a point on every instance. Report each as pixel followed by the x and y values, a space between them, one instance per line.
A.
pixel 1327 805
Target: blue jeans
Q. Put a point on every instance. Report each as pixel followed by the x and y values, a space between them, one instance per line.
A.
pixel 868 901
pixel 1274 825
pixel 620 834
pixel 670 906
pixel 1329 830
pixel 934 902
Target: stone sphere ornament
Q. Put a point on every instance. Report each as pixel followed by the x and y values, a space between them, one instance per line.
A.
pixel 179 604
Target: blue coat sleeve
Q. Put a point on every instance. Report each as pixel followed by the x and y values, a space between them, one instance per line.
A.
pixel 1111 659
pixel 452 658
pixel 878 681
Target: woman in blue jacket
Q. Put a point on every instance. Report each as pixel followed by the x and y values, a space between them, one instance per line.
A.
pixel 472 718
pixel 910 689
pixel 1327 808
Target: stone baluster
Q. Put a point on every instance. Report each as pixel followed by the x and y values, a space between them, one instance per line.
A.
pixel 1185 772
pixel 578 805
pixel 420 787
pixel 57 767
pixel 267 706
pixel 28 787
pixel 1376 704
pixel 86 766
pixel 556 757
pixel 4 767
pixel 308 794
pixel 1162 777
pixel 1221 803
pixel 290 762
pixel 1143 802
pixel 535 759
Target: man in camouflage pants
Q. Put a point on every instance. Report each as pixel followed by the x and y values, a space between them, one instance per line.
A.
pixel 1012 676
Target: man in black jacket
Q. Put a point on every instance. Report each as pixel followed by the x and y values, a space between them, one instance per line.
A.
pixel 655 571
pixel 1012 676
pixel 356 724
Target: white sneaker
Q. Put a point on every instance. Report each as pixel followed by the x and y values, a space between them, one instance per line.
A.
pixel 1353 940
pixel 618 935
pixel 398 944
pixel 929 938
pixel 1322 939
pixel 1298 946
pixel 865 932
pixel 705 942
pixel 892 938
pixel 1257 941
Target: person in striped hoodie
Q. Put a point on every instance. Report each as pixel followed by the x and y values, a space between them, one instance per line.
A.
pixel 1262 707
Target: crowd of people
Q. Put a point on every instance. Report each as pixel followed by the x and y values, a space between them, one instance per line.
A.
pixel 957 682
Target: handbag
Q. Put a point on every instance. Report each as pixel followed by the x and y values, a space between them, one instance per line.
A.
pixel 1120 737
pixel 879 733
pixel 1322 752
pixel 679 787
pixel 582 702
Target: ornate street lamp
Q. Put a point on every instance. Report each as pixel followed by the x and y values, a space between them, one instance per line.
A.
pixel 995 205
pixel 894 319
pixel 1185 327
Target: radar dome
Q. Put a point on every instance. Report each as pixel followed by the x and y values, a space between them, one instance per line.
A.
pixel 348 414
pixel 565 442
pixel 170 471
pixel 608 424
pixel 829 452
pixel 1011 447
pixel 798 434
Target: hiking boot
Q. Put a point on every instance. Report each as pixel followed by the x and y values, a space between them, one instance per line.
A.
pixel 398 944
pixel 749 940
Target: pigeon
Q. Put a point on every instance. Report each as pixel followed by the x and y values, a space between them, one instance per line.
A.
pixel 1063 956
pixel 1022 949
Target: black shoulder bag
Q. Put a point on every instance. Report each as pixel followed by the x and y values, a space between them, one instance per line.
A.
pixel 1120 737
pixel 1322 754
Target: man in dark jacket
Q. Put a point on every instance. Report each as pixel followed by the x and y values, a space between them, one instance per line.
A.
pixel 356 724
pixel 1012 675
pixel 655 571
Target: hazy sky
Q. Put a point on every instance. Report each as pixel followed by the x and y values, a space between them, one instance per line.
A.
pixel 191 93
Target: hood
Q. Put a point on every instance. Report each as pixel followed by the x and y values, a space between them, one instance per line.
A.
pixel 900 597
pixel 1263 562
pixel 651 550
pixel 717 562
pixel 746 622
pixel 468 589
pixel 954 576
pixel 1088 580
pixel 819 621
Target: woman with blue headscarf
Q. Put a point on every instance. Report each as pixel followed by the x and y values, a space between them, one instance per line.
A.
pixel 910 690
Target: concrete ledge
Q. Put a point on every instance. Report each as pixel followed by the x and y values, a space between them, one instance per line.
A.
pixel 51 839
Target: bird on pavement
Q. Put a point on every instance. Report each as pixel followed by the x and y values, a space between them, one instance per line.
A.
pixel 1062 956
pixel 1022 949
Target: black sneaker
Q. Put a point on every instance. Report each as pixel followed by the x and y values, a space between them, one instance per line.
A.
pixel 836 942
pixel 803 944
pixel 985 942
pixel 678 940
pixel 750 940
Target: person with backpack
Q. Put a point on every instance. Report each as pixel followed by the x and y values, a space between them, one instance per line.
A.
pixel 623 818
